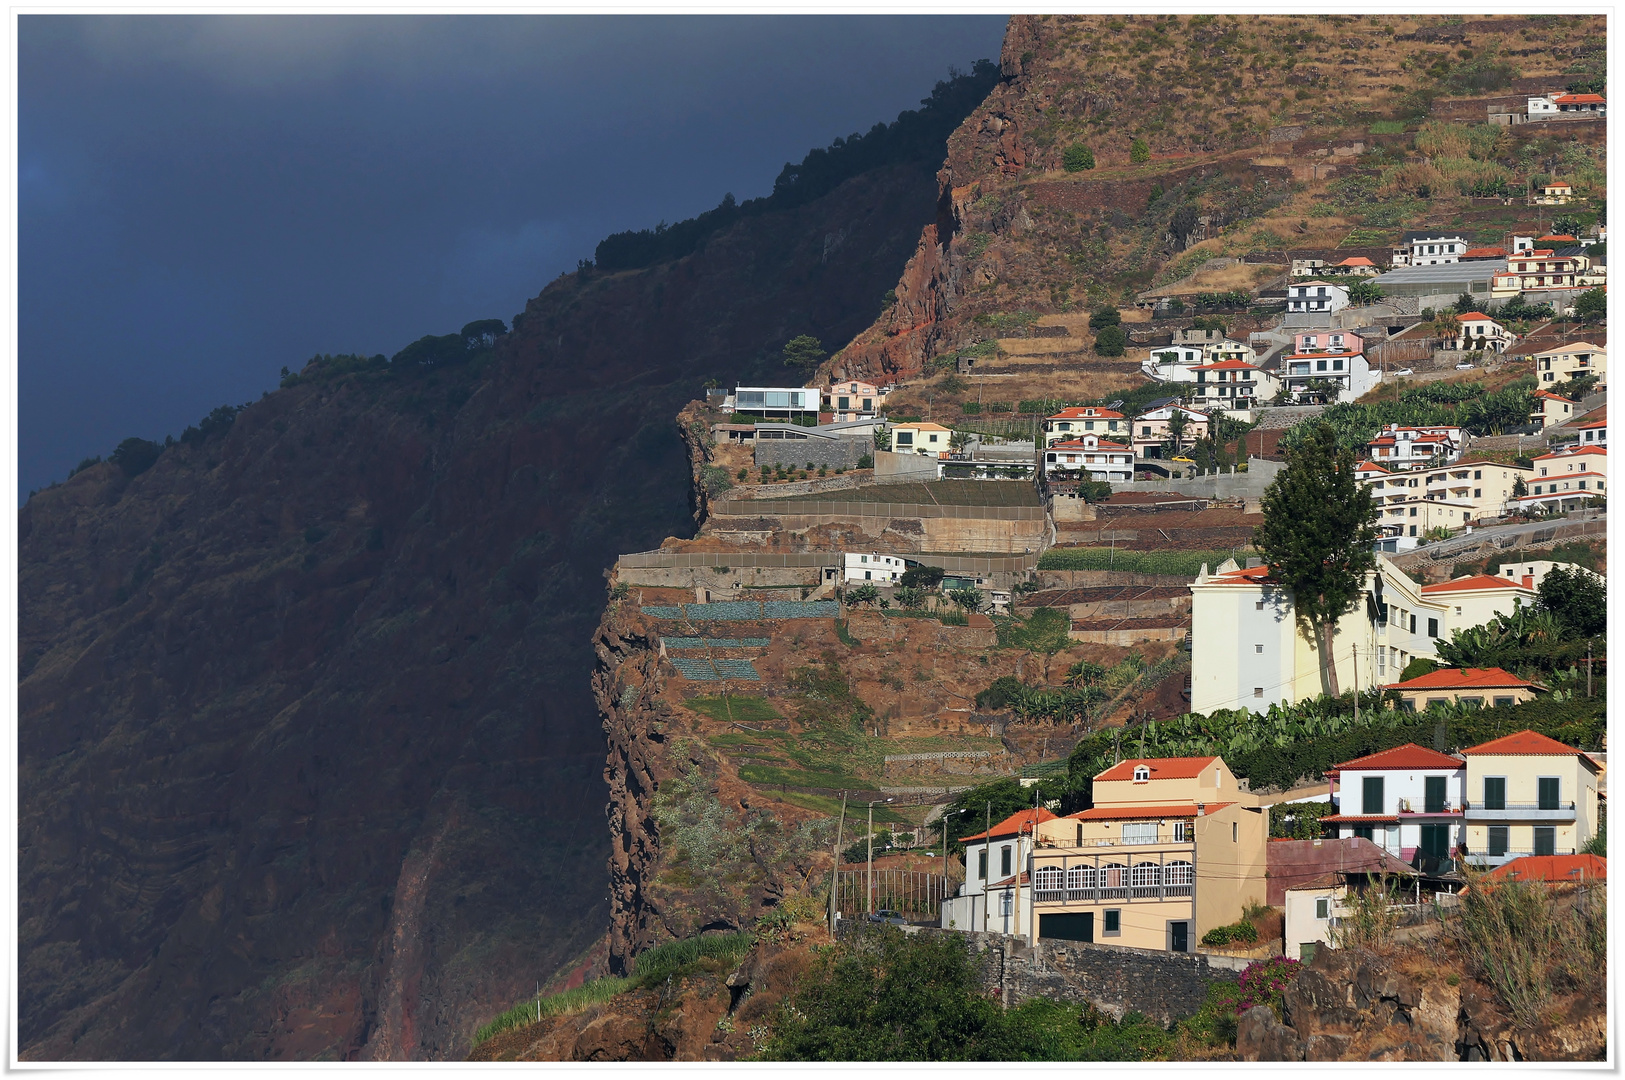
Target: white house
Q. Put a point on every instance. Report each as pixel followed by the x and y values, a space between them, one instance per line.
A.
pixel 1247 652
pixel 1332 359
pixel 996 877
pixel 1534 572
pixel 1409 801
pixel 1396 447
pixel 1587 429
pixel 1568 107
pixel 1091 455
pixel 1070 423
pixel 1152 428
pixel 1233 384
pixel 1478 331
pixel 1431 248
pixel 1320 297
pixel 874 567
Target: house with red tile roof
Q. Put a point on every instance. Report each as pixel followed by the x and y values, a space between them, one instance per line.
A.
pixel 1397 447
pixel 1074 423
pixel 1587 429
pixel 1568 106
pixel 1233 384
pixel 1480 686
pixel 993 856
pixel 1478 332
pixel 1550 410
pixel 1568 479
pixel 1529 794
pixel 1409 801
pixel 1089 458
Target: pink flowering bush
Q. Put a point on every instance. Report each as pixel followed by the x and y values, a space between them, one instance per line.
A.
pixel 1264 983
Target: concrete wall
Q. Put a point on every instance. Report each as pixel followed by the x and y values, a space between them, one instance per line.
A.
pixel 1241 485
pixel 797 453
pixel 688 577
pixel 895 468
pixel 1114 979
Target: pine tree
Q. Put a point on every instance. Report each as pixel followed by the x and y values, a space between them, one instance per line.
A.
pixel 1317 537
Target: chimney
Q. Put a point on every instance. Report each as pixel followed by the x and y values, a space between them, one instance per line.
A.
pixel 1201 809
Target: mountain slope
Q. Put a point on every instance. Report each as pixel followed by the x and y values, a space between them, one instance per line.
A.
pixel 309 765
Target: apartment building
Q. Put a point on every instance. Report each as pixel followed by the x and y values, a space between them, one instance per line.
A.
pixel 1528 795
pixel 1559 363
pixel 1410 502
pixel 1069 424
pixel 1153 427
pixel 1334 359
pixel 1089 457
pixel 1247 651
pixel 1567 479
pixel 1233 384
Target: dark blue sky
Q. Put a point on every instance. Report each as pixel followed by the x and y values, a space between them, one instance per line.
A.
pixel 203 200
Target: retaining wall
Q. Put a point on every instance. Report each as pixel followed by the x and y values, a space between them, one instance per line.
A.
pixel 798 453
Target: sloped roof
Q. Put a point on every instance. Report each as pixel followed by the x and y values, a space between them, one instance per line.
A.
pixel 924 425
pixel 1021 821
pixel 1464 679
pixel 1485 253
pixel 1578 451
pixel 1409 756
pixel 1522 742
pixel 1474 316
pixel 1296 863
pixel 1165 768
pixel 1085 412
pixel 1227 365
pixel 1130 813
pixel 1580 99
pixel 1554 868
pixel 1471 583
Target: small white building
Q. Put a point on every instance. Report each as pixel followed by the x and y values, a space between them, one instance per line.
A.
pixel 1398 448
pixel 875 568
pixel 1431 248
pixel 1153 428
pixel 1089 456
pixel 996 862
pixel 1408 801
pixel 773 400
pixel 1328 359
pixel 1478 331
pixel 1534 572
pixel 1316 297
pixel 1568 107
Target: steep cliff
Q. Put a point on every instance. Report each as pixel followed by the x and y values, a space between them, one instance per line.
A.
pixel 309 762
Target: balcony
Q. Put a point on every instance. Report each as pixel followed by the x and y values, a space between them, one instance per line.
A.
pixel 1521 812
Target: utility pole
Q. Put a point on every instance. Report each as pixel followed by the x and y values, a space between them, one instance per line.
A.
pixel 1356 649
pixel 1588 668
pixel 835 875
pixel 987 855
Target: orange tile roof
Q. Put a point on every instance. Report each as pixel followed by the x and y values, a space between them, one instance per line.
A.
pixel 1554 397
pixel 1463 679
pixel 1522 742
pixel 1580 99
pixel 1086 412
pixel 1227 365
pixel 1578 451
pixel 1474 316
pixel 1485 253
pixel 1021 821
pixel 1409 756
pixel 1245 575
pixel 1553 868
pixel 1471 583
pixel 1164 768
pixel 1129 813
pixel 1356 260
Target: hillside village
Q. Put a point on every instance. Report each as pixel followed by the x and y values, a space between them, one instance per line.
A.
pixel 976 636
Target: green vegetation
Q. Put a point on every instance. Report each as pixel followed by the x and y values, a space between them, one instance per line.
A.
pixel 1531 945
pixel 1139 151
pixel 1044 631
pixel 1387 127
pixel 733 709
pixel 1179 563
pixel 888 996
pixel 570 1001
pixel 1112 341
pixel 1077 158
pixel 1241 932
pixel 1299 821
pixel 1469 405
pixel 804 353
pixel 135 456
pixel 916 135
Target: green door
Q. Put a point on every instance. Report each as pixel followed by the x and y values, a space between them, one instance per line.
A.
pixel 1436 840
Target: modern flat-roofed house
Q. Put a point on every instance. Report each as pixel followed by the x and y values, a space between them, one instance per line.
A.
pixel 1071 423
pixel 1327 363
pixel 1316 297
pixel 1528 794
pixel 874 567
pixel 1432 247
pixel 788 401
pixel 1172 848
pixel 1089 456
pixel 1409 801
pixel 1490 687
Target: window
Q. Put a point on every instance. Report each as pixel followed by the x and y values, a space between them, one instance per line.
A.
pixel 1258 691
pixel 1413 617
pixel 1323 906
pixel 1433 794
pixel 1233 832
pixel 1497 840
pixel 1182 832
pixel 1004 903
pixel 1139 832
pixel 1365 832
pixel 1495 793
pixel 1370 795
pixel 1004 860
pixel 1142 772
pixel 981 864
pixel 1114 922
pixel 1478 474
pixel 1145 879
pixel 1433 628
pixel 1258 648
pixel 1258 605
pixel 1545 840
pixel 906 438
pixel 1478 493
pixel 1548 789
pixel 1500 701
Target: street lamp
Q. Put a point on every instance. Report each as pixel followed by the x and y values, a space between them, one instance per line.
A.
pixel 869 884
pixel 835 874
pixel 945 815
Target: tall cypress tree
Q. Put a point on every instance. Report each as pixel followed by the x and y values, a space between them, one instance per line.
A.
pixel 1317 536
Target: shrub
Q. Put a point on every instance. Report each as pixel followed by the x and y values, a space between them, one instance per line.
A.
pixel 1111 341
pixel 968 598
pixel 1370 916
pixel 1104 317
pixel 863 594
pixel 1242 932
pixel 85 464
pixel 1078 158
pixel 135 456
pixel 1264 983
pixel 1139 150
pixel 867 461
pixel 715 480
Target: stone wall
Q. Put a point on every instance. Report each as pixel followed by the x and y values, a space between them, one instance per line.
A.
pixel 1114 979
pixel 798 453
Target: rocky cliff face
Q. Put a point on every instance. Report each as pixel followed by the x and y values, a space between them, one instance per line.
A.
pixel 309 765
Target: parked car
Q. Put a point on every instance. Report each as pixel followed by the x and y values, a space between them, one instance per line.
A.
pixel 887 916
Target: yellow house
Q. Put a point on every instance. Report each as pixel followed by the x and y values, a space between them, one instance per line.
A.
pixel 1490 687
pixel 1172 848
pixel 1550 409
pixel 1528 795
pixel 920 438
pixel 1565 361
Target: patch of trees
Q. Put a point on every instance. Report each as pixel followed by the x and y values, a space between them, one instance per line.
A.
pixel 916 134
